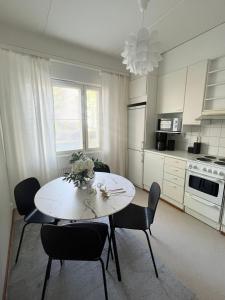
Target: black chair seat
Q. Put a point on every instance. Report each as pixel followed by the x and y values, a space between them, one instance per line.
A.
pixel 134 217
pixel 38 217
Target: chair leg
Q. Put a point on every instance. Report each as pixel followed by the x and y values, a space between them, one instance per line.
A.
pixel 61 262
pixel 150 248
pixel 47 275
pixel 107 261
pixel 110 247
pixel 104 279
pixel 21 238
pixel 150 231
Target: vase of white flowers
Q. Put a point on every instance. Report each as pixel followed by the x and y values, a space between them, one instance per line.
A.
pixel 82 170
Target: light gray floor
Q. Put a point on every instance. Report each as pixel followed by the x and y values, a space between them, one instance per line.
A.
pixel 192 250
pixel 81 280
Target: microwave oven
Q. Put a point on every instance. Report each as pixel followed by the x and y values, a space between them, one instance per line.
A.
pixel 170 124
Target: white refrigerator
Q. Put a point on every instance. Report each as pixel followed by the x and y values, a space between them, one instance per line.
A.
pixel 136 141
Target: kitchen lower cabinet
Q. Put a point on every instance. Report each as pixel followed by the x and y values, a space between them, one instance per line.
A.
pixel 174 181
pixel 223 221
pixel 153 169
pixel 135 167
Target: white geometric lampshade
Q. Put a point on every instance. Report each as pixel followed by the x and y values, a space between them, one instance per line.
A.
pixel 141 52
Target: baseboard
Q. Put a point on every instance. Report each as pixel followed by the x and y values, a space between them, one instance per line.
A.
pixel 171 204
pixel 9 257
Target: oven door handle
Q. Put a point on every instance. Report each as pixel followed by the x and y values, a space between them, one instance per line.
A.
pixel 205 202
pixel 205 176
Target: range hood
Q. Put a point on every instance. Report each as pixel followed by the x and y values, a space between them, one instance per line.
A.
pixel 212 114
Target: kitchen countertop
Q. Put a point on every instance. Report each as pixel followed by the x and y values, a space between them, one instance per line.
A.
pixel 181 154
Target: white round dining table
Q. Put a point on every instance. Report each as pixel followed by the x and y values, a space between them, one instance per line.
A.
pixel 61 200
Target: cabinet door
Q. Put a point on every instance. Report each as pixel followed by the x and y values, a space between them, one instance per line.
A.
pixel 153 169
pixel 170 92
pixel 138 87
pixel 135 167
pixel 136 127
pixel 194 95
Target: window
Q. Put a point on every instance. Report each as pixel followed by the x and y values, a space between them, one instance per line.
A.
pixel 77 111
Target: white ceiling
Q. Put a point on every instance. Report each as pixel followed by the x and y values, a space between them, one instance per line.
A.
pixel 104 24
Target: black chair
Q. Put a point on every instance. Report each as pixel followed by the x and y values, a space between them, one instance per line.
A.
pixel 80 241
pixel 102 168
pixel 24 194
pixel 139 218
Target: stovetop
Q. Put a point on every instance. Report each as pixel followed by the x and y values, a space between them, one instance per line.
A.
pixel 211 166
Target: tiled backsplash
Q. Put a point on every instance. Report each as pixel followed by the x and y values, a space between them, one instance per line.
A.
pixel 212 134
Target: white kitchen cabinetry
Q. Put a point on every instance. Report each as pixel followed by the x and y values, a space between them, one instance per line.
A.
pixel 171 91
pixel 135 167
pixel 173 181
pixel 138 90
pixel 194 95
pixel 136 127
pixel 153 169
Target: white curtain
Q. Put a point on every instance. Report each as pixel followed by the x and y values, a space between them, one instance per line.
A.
pixel 114 121
pixel 27 115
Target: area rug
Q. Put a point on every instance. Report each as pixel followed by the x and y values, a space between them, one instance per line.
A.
pixel 83 280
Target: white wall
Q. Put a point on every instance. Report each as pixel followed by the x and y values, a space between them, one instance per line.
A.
pixel 51 47
pixel 5 216
pixel 208 45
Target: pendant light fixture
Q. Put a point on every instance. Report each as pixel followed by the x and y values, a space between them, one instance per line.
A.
pixel 141 52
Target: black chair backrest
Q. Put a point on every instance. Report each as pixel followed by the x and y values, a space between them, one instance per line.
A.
pixel 153 196
pixel 103 168
pixel 81 241
pixel 24 194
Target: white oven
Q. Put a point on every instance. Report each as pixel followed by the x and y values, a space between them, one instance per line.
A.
pixel 205 187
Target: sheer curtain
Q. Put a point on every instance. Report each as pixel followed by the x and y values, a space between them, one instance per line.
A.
pixel 27 116
pixel 114 121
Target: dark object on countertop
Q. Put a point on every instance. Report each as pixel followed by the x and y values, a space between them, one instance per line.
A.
pixel 190 149
pixel 171 145
pixel 160 141
pixel 197 148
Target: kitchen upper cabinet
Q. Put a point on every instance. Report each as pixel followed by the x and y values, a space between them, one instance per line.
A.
pixel 171 91
pixel 135 167
pixel 195 90
pixel 138 90
pixel 153 169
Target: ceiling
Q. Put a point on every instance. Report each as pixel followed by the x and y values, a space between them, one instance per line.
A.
pixel 103 25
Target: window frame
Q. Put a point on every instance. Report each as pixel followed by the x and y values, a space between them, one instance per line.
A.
pixel 83 88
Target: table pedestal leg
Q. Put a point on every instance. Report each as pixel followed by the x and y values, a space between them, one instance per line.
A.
pixel 115 248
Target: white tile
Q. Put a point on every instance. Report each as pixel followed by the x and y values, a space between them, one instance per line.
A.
pixel 205 131
pixel 221 151
pixel 212 150
pixel 222 134
pixel 216 123
pixel 215 131
pixel 213 141
pixel 205 123
pixel 204 148
pixel 222 142
pixel 205 139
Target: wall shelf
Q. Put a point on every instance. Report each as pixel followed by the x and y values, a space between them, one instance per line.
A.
pixel 216 71
pixel 215 84
pixel 171 132
pixel 214 98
